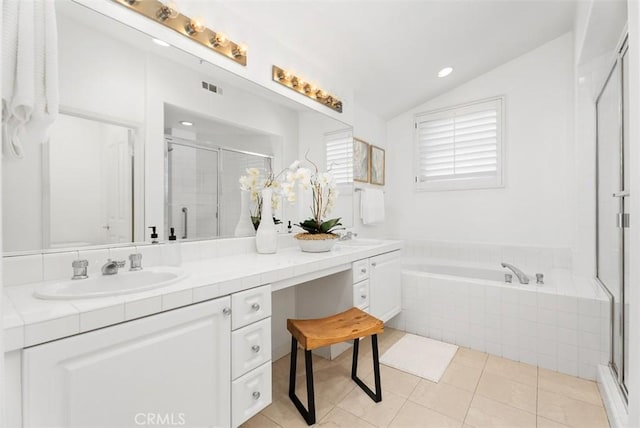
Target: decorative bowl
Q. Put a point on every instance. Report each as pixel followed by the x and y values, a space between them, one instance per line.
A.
pixel 317 242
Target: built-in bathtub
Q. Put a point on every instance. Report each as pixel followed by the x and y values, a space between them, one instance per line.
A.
pixel 560 325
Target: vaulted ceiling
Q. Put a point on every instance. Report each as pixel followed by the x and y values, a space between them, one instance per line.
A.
pixel 390 51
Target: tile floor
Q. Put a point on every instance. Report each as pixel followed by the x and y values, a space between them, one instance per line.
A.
pixel 477 390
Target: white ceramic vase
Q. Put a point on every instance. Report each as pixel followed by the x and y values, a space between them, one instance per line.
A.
pixel 245 225
pixel 266 236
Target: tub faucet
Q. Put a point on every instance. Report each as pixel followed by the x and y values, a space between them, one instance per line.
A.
pixel 522 277
pixel 111 267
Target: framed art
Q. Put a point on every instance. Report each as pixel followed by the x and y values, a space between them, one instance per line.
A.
pixel 377 166
pixel 360 160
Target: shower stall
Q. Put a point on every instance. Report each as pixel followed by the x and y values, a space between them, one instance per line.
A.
pixel 202 189
pixel 612 211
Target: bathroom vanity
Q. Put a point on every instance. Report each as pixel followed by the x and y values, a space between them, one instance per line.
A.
pixel 196 352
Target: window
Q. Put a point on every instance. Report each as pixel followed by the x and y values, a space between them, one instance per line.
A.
pixel 460 147
pixel 339 155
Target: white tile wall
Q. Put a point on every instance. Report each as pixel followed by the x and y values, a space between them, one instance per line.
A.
pixel 534 259
pixel 562 333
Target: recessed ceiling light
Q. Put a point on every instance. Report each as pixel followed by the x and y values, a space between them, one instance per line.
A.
pixel 186 123
pixel 445 72
pixel 161 43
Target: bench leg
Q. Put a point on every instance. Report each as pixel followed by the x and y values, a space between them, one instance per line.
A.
pixel 375 396
pixel 308 415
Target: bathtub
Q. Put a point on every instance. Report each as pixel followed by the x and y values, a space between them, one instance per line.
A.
pixel 562 325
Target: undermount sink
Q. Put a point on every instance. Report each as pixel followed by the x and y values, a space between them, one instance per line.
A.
pixel 124 282
pixel 360 242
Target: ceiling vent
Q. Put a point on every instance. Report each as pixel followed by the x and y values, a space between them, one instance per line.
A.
pixel 211 87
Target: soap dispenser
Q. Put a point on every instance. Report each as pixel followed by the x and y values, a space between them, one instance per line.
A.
pixel 154 235
pixel 171 252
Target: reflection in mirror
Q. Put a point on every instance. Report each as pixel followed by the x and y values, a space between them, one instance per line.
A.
pixel 88 174
pixel 103 178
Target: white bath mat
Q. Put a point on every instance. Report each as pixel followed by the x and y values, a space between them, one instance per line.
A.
pixel 420 356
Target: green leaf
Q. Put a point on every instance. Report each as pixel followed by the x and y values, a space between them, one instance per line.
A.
pixel 329 225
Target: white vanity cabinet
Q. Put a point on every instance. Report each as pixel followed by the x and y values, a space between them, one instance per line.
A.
pixel 173 368
pixel 250 353
pixel 385 276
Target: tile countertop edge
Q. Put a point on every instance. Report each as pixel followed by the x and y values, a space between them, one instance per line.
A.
pixel 217 276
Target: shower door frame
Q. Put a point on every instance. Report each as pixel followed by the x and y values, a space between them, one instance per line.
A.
pixel 169 139
pixel 618 372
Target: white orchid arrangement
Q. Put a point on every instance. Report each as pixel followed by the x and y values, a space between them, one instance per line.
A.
pixel 322 185
pixel 254 183
pixel 324 194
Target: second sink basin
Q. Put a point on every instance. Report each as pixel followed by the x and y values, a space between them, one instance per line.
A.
pixel 124 282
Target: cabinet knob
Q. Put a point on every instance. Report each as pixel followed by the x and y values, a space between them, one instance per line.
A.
pixel 363 270
pixel 255 306
pixel 256 395
pixel 373 264
pixel 226 311
pixel 255 348
pixel 363 296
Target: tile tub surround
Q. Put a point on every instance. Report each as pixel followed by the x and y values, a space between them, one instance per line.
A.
pixel 215 268
pixel 477 390
pixel 529 259
pixel 542 326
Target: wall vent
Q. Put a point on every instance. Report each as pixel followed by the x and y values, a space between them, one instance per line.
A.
pixel 211 87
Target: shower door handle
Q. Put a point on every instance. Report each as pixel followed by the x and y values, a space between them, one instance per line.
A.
pixel 621 194
pixel 185 211
pixel 622 220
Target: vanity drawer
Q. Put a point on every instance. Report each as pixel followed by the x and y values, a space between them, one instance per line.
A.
pixel 250 394
pixel 361 294
pixel 250 347
pixel 250 306
pixel 360 270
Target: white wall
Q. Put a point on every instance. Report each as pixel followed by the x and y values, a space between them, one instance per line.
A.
pixel 371 128
pixel 534 208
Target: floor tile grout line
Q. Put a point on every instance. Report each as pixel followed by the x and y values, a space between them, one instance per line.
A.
pixel 475 389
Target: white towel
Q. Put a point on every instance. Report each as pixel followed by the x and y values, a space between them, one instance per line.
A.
pixel 30 72
pixel 372 206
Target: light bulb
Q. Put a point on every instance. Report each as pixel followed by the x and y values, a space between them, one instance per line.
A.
pixel 194 26
pixel 239 50
pixel 219 40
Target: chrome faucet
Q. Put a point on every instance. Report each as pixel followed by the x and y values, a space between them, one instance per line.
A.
pixel 522 277
pixel 111 267
pixel 348 235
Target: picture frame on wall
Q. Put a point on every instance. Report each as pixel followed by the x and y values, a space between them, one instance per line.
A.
pixel 377 165
pixel 360 160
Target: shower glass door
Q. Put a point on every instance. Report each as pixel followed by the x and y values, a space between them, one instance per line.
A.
pixel 612 210
pixel 192 192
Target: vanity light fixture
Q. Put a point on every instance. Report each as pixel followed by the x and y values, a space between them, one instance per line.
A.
pixel 186 123
pixel 445 72
pixel 300 85
pixel 166 13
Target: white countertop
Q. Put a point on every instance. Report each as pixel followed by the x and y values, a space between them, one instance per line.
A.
pixel 28 320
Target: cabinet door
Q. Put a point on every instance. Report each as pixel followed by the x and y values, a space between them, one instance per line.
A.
pixel 385 276
pixel 168 369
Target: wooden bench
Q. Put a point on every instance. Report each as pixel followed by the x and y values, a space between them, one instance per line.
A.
pixel 311 334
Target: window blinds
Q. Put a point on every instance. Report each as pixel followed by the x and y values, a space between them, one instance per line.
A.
pixel 339 156
pixel 460 143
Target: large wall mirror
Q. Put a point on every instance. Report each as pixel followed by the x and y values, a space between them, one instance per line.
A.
pixel 122 156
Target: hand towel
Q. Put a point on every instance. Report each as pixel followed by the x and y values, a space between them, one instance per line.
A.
pixel 30 73
pixel 372 206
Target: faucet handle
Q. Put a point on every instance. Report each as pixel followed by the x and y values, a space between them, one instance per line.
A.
pixel 135 261
pixel 120 263
pixel 539 278
pixel 80 263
